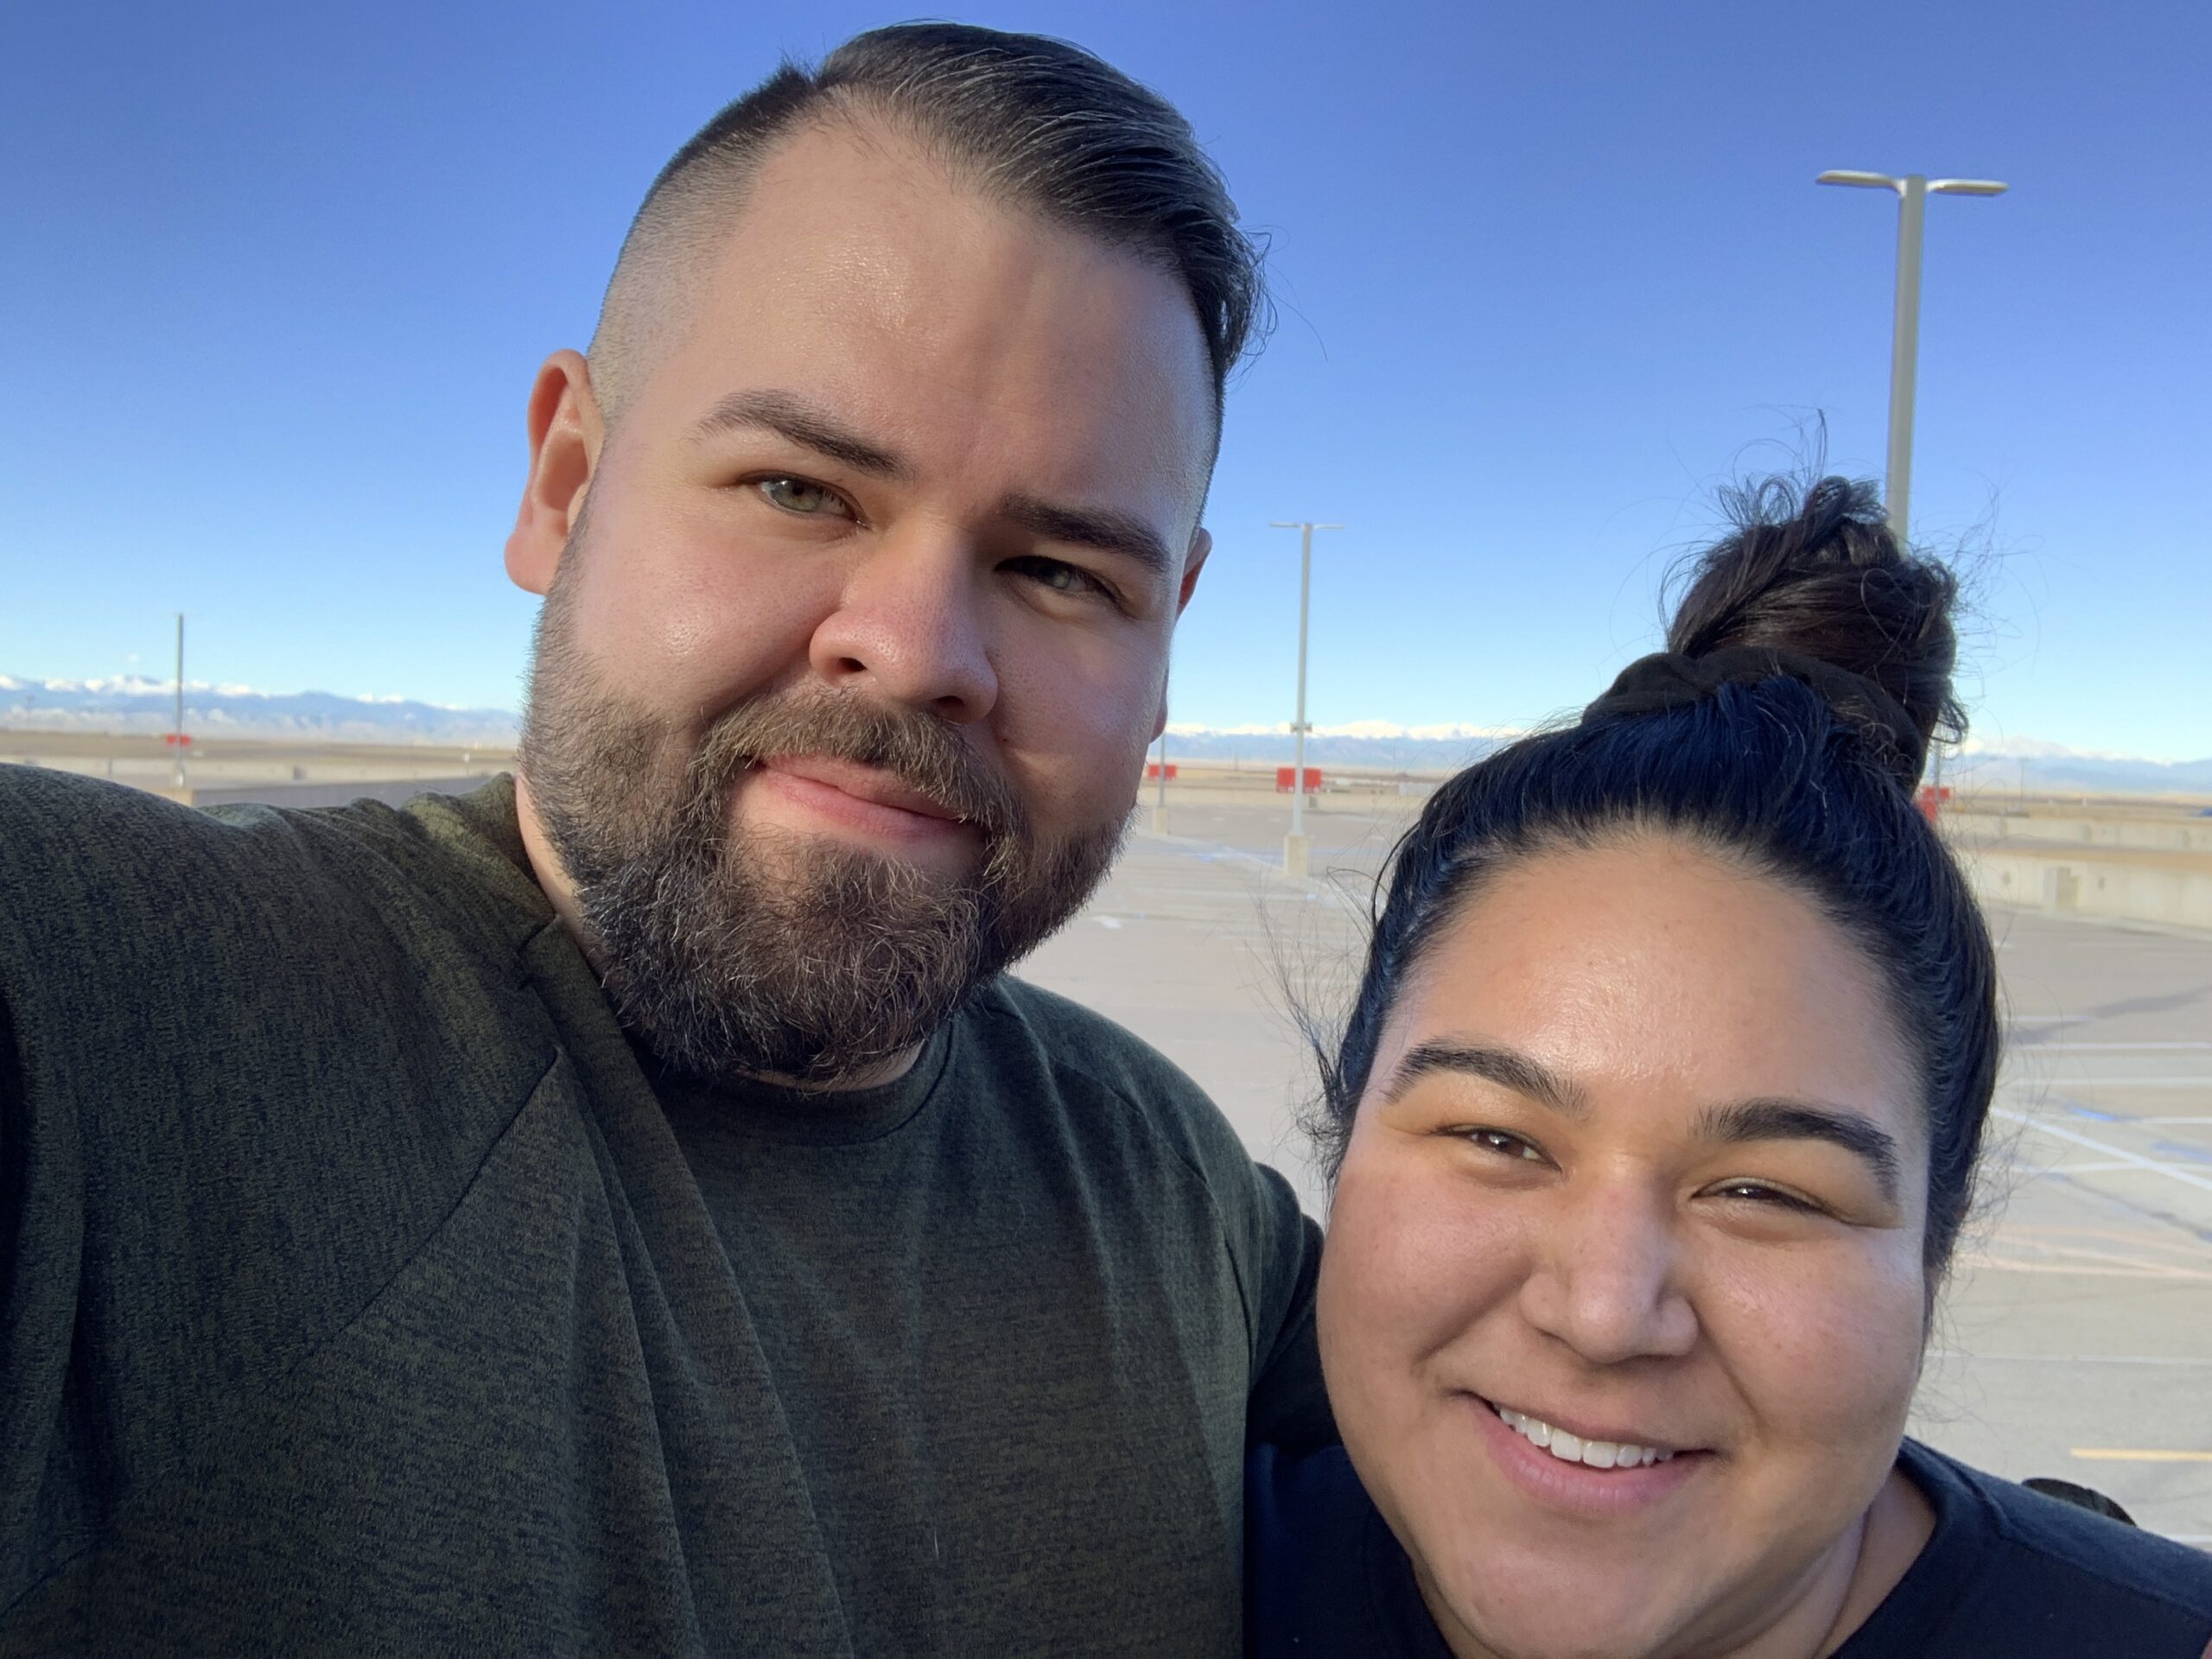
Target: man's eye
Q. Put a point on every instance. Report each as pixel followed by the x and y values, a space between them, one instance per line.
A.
pixel 797 495
pixel 1061 578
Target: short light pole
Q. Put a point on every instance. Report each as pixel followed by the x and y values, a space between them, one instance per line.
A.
pixel 1913 191
pixel 176 737
pixel 1159 801
pixel 1296 858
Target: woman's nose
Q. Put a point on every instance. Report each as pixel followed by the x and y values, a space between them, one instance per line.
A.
pixel 1607 1277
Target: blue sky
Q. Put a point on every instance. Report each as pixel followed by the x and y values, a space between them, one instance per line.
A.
pixel 277 278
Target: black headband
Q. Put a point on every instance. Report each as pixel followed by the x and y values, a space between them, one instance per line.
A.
pixel 1669 680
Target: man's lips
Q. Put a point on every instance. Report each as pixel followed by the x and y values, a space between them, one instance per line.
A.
pixel 847 798
pixel 869 784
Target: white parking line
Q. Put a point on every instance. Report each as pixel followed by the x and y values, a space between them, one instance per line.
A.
pixel 2186 1177
pixel 2202 1080
pixel 2138 1454
pixel 2075 1359
pixel 2103 1169
pixel 2113 1048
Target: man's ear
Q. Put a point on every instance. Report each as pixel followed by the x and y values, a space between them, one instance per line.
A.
pixel 565 435
pixel 1201 545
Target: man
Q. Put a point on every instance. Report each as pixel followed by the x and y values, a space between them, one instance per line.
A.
pixel 626 1210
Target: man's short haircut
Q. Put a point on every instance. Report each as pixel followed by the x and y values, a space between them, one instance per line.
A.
pixel 1029 122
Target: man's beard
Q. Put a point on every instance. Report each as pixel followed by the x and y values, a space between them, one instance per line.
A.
pixel 734 952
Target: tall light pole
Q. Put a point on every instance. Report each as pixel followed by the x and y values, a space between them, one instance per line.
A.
pixel 1295 858
pixel 1913 191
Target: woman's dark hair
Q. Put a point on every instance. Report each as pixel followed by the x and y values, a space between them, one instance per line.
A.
pixel 1762 770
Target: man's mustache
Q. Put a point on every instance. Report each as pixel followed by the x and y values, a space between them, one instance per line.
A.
pixel 924 753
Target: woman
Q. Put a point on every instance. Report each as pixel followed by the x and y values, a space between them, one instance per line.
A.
pixel 1651 1137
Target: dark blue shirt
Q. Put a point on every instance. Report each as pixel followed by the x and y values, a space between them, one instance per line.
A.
pixel 2007 1574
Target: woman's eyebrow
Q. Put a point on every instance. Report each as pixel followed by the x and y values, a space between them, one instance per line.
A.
pixel 1505 1067
pixel 1797 1120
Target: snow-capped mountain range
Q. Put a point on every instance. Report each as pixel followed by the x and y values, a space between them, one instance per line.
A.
pixel 134 703
pixel 2027 762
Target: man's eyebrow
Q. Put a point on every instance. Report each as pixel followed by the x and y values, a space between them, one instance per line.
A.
pixel 1797 1119
pixel 806 424
pixel 1502 1066
pixel 1100 527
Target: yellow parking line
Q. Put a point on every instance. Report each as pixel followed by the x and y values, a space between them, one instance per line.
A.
pixel 2117 1454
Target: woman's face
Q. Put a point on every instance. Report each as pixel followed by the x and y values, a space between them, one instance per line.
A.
pixel 1640 1161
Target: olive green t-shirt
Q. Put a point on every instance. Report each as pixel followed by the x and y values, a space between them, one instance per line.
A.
pixel 362 1291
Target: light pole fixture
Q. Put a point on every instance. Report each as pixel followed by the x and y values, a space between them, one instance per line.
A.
pixel 1913 191
pixel 1295 862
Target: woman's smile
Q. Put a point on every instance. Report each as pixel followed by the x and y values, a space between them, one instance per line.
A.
pixel 1585 1477
pixel 1610 1451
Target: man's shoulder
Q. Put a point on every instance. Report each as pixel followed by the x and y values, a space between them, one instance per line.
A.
pixel 234 925
pixel 1119 1094
pixel 114 868
pixel 97 827
pixel 38 803
pixel 83 843
pixel 1080 1041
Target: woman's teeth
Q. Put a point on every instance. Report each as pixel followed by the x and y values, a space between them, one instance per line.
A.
pixel 1573 1448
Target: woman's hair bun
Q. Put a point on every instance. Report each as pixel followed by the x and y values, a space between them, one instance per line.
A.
pixel 1814 568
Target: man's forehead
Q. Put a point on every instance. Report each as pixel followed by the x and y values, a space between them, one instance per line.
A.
pixel 860 270
pixel 853 154
pixel 858 214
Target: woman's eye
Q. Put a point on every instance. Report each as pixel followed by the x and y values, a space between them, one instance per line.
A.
pixel 1506 1146
pixel 1760 1192
pixel 797 495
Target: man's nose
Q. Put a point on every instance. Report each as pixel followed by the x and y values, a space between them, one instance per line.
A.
pixel 911 626
pixel 1607 1280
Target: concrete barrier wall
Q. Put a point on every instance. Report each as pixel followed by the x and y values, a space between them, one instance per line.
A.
pixel 2145 834
pixel 2024 863
pixel 396 792
pixel 1388 800
pixel 2171 895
